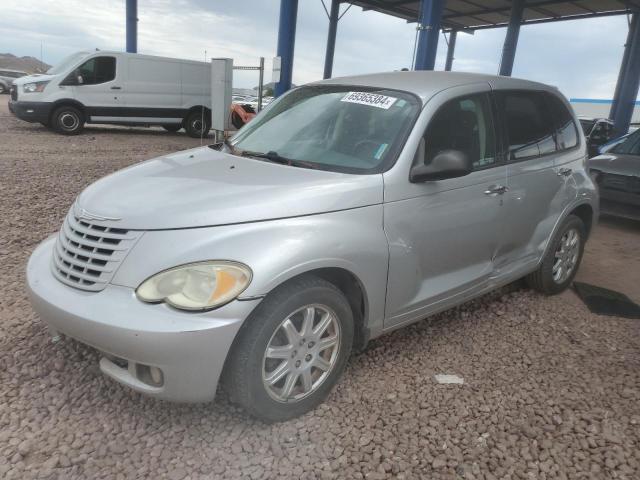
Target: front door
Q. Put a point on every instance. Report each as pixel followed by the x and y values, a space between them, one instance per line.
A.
pixel 443 235
pixel 98 86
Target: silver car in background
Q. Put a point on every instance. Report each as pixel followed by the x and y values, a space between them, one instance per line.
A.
pixel 7 77
pixel 346 209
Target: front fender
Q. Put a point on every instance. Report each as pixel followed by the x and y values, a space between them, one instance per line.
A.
pixel 276 251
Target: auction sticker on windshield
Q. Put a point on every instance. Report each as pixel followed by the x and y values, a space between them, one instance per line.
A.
pixel 371 99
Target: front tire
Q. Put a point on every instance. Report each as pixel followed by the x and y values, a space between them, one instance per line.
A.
pixel 560 264
pixel 197 124
pixel 291 351
pixel 67 120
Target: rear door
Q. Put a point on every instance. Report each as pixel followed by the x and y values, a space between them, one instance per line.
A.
pixel 536 193
pixel 443 235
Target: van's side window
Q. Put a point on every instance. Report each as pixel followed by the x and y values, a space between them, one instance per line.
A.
pixel 464 124
pixel 530 130
pixel 566 129
pixel 98 70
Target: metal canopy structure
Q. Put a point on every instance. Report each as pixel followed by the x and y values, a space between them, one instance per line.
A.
pixel 469 15
pixel 453 16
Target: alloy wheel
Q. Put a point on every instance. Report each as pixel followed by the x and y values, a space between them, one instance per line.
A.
pixel 301 353
pixel 566 256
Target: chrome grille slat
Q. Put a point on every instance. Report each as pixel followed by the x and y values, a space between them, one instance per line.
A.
pixel 78 227
pixel 72 236
pixel 87 255
pixel 68 258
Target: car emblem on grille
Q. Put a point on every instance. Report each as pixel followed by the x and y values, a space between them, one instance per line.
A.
pixel 86 215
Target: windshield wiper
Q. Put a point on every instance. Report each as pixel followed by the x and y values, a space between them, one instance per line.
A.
pixel 275 157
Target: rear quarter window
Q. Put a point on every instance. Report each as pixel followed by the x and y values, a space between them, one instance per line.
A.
pixel 566 129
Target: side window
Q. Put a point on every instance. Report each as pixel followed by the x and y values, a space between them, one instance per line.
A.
pixel 97 70
pixel 566 130
pixel 464 124
pixel 530 131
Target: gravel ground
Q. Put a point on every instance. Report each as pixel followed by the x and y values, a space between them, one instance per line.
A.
pixel 551 391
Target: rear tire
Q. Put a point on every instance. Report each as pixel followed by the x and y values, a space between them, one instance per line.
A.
pixel 562 260
pixel 67 120
pixel 197 124
pixel 172 128
pixel 309 359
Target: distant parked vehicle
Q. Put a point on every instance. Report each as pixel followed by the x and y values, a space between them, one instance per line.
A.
pixel 616 141
pixel 597 131
pixel 7 77
pixel 617 175
pixel 117 88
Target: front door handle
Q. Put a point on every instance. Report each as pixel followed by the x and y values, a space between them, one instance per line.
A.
pixel 564 172
pixel 494 190
pixel 116 88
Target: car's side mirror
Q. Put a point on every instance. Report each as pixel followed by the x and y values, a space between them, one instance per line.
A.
pixel 446 164
pixel 79 79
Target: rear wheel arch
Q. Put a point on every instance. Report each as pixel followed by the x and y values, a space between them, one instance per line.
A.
pixel 585 213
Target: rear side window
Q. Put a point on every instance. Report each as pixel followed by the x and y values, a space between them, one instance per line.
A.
pixel 630 145
pixel 566 130
pixel 97 70
pixel 528 126
pixel 464 124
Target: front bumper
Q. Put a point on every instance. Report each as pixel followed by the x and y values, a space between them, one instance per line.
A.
pixel 33 112
pixel 189 348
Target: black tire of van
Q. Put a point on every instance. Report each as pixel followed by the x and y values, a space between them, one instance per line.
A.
pixel 172 128
pixel 197 123
pixel 67 120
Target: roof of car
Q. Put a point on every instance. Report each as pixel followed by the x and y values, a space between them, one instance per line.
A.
pixel 425 84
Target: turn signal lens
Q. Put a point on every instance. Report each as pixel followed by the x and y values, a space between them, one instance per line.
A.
pixel 196 286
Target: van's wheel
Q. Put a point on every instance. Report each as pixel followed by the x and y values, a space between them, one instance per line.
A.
pixel 291 350
pixel 67 120
pixel 562 259
pixel 172 128
pixel 197 124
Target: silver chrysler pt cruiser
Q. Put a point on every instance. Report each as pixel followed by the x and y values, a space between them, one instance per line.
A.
pixel 346 209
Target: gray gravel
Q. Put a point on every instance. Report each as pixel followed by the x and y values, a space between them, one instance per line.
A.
pixel 550 390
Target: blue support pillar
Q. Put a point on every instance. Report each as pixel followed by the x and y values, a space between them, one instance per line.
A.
pixel 331 38
pixel 132 26
pixel 451 50
pixel 511 39
pixel 630 84
pixel 623 66
pixel 286 44
pixel 430 18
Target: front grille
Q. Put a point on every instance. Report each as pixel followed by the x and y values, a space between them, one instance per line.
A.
pixel 622 183
pixel 87 255
pixel 14 93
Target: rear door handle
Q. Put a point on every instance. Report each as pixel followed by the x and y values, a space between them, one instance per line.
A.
pixel 494 190
pixel 116 88
pixel 564 172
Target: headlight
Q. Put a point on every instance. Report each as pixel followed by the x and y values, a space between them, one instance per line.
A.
pixel 196 286
pixel 34 87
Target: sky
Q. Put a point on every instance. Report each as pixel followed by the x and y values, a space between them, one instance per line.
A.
pixel 581 58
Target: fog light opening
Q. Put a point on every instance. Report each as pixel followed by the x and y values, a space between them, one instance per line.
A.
pixel 150 375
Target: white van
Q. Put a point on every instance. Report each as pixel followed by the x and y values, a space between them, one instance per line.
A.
pixel 117 88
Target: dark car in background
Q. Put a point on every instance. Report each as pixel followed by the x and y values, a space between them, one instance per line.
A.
pixel 597 132
pixel 7 77
pixel 617 175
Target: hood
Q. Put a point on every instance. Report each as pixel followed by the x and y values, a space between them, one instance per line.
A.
pixel 204 187
pixel 36 77
pixel 619 164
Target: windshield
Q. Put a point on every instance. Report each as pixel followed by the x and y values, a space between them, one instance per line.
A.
pixel 629 146
pixel 339 128
pixel 68 62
